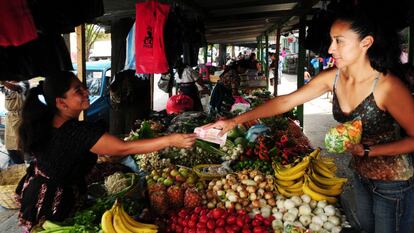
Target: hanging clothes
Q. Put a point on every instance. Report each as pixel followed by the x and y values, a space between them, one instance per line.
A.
pixel 130 50
pixel 15 18
pixel 41 57
pixel 149 37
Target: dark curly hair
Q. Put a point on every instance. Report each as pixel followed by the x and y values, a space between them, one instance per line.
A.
pixel 384 53
pixel 37 114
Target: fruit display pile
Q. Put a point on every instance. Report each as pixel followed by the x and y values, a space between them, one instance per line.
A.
pixel 265 178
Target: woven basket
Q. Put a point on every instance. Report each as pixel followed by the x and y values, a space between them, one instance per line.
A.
pixel 9 178
pixel 208 176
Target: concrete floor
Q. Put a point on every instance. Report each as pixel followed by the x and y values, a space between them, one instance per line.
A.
pixel 317 120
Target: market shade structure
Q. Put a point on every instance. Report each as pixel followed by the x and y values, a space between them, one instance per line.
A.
pixel 230 21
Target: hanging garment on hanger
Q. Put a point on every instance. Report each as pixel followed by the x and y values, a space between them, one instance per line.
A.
pixel 130 50
pixel 16 23
pixel 149 37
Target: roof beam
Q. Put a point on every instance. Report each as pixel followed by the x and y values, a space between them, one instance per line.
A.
pixel 252 9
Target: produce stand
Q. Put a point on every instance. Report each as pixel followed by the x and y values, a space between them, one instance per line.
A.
pixel 265 178
pixel 252 80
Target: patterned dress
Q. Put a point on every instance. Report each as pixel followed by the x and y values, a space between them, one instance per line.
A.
pixel 55 181
pixel 379 127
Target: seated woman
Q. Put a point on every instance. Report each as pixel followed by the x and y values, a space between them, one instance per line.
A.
pixel 228 86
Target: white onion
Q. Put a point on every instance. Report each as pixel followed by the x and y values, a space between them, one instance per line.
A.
pixel 289 204
pixel 289 217
pixel 304 209
pixel 322 204
pixel 329 210
pixel 318 211
pixel 278 215
pixel 315 227
pixel 305 219
pixel 328 225
pixel 317 220
pixel 277 224
pixel 313 204
pixel 335 220
pixel 297 200
pixel 336 229
pixel 265 211
pixel 306 198
pixel 294 211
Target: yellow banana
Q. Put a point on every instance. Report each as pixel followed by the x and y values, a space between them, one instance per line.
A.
pixel 326 190
pixel 134 224
pixel 294 176
pixel 301 166
pixel 285 183
pixel 328 181
pixel 316 153
pixel 296 185
pixel 325 172
pixel 317 196
pixel 119 224
pixel 106 222
pixel 287 193
pixel 323 186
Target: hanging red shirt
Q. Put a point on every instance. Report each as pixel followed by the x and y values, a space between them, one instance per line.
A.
pixel 16 23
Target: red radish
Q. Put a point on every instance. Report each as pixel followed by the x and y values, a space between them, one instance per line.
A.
pixel 201 225
pixel 231 220
pixel 256 223
pixel 178 229
pixel 203 218
pixel 241 212
pixel 220 222
pixel 258 230
pixel 211 224
pixel 217 213
pixel 198 209
pixel 191 224
pixel 219 230
pixel 240 222
pixel 246 230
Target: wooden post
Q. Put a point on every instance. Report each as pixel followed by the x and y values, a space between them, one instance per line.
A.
pixel 301 62
pixel 267 60
pixel 276 72
pixel 151 77
pixel 205 53
pixel 411 45
pixel 81 63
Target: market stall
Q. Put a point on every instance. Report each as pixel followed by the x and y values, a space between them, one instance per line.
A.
pixel 264 177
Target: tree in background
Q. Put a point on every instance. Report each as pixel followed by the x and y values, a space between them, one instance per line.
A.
pixel 93 33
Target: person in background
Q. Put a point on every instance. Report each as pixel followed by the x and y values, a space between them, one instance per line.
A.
pixel 306 75
pixel 364 88
pixel 65 149
pixel 14 93
pixel 316 64
pixel 254 63
pixel 228 86
pixel 186 81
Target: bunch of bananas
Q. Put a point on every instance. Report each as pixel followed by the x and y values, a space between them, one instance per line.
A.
pixel 314 176
pixel 116 220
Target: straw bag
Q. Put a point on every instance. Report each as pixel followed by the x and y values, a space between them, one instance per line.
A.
pixel 9 179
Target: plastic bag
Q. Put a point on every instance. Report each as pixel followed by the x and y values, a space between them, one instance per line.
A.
pixel 339 137
pixel 149 37
pixel 165 83
pixel 179 103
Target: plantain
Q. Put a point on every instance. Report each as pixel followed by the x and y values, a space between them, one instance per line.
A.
pixel 315 153
pixel 317 196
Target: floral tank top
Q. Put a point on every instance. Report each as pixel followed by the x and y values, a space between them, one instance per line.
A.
pixel 378 127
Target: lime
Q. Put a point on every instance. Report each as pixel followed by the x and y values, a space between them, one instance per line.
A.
pixel 240 141
pixel 234 133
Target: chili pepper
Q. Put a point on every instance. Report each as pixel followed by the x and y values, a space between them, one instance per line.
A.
pixel 284 139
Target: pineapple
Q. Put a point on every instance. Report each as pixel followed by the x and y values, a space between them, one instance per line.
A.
pixel 159 202
pixel 192 198
pixel 175 196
